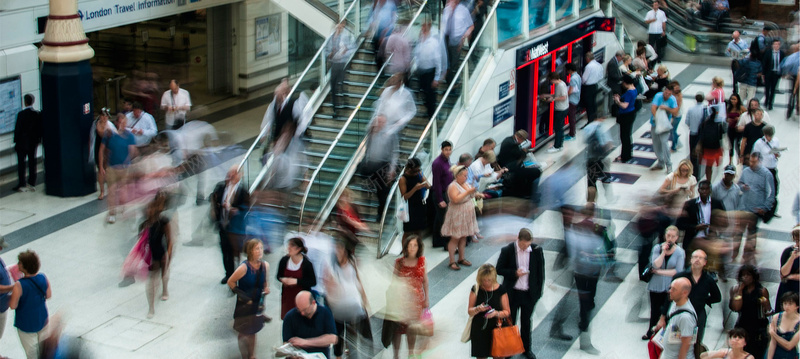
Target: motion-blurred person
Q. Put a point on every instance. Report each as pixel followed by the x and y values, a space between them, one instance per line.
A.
pixel 592 75
pixel 730 195
pixel 735 108
pixel 457 28
pixel 747 76
pixel 598 144
pixel 758 196
pixel 399 48
pixel 662 101
pixel 652 225
pixel 347 301
pixel 295 272
pixel 789 69
pixel 430 64
pixel 751 300
pixel 522 266
pixel 410 268
pixel 142 125
pixel 228 202
pixel 413 187
pixel 523 180
pixel 117 151
pixel 626 116
pixel 441 177
pixel 667 260
pixel 752 132
pixel 682 323
pixel 28 300
pixel 695 117
pixel 347 214
pixel 27 137
pixel 160 234
pixel 460 221
pixel 189 146
pixel 396 104
pixel 574 96
pixel 175 103
pixel 309 326
pixel 767 146
pixel 488 305
pixel 679 185
pixel 340 48
pixel 101 128
pixel 695 219
pixel 704 292
pixel 381 20
pixel 250 283
pixel 380 159
pixel 676 119
pixel 561 105
pixel 709 147
pixel 737 340
pixel 790 267
pixel 282 111
pixel 289 161
pixel 784 329
pixel 771 60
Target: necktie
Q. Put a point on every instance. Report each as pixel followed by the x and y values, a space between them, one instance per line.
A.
pixel 776 61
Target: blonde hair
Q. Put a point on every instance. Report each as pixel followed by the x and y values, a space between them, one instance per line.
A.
pixel 663 68
pixel 489 156
pixel 687 162
pixel 486 270
pixel 717 81
pixel 456 169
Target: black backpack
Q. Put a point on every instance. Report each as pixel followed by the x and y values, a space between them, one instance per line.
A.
pixel 741 71
pixel 711 132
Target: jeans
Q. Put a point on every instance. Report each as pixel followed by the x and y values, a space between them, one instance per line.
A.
pixel 660 146
pixel 587 288
pixel 675 122
pixel 792 98
pixel 337 82
pixel 558 127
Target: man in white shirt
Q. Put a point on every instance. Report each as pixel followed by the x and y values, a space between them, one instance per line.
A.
pixel 340 48
pixel 657 29
pixel 592 75
pixel 428 54
pixel 695 117
pixel 560 107
pixel 175 102
pixel 737 49
pixel 142 125
pixel 457 24
pixel 482 168
pixel 765 145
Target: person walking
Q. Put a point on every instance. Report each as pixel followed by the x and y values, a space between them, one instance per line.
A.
pixel 101 128
pixel 410 268
pixel 694 118
pixel 458 26
pixel 695 220
pixel 598 144
pixel 28 300
pixel 736 50
pixel 521 264
pixel 771 61
pixel 347 300
pixel 117 150
pixel 430 64
pixel 160 238
pixel 704 292
pixel 250 284
pixel 751 133
pixel 380 162
pixel 295 272
pixel 460 221
pixel 626 116
pixel 735 108
pixel 709 148
pixel 766 146
pixel 228 202
pixel 666 102
pixel 656 20
pixel 758 197
pixel 747 74
pixel 176 102
pixel 340 48
pixel 561 105
pixel 27 137
pixel 592 74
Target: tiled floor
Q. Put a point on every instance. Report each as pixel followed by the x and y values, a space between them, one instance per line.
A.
pixel 82 258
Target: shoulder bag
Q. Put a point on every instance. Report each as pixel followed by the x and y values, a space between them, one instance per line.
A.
pixel 506 341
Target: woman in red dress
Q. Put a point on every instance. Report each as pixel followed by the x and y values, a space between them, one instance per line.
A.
pixel 296 274
pixel 411 268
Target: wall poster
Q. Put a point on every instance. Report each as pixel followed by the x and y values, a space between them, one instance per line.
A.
pixel 268 35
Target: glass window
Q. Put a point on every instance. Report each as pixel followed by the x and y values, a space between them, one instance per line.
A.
pixel 509 17
pixel 585 4
pixel 538 13
pixel 563 8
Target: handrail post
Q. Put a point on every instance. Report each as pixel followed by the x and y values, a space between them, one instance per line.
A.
pixel 465 80
pixel 552 14
pixel 576 9
pixel 341 9
pixel 525 23
pixel 357 22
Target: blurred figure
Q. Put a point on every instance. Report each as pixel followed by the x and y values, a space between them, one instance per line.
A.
pixel 28 300
pixel 522 266
pixel 460 221
pixel 441 177
pixel 142 125
pixel 101 129
pixel 348 216
pixel 758 196
pixel 704 291
pixel 176 102
pixel 737 340
pixel 396 104
pixel 380 161
pixel 227 202
pixel 790 267
pixel 429 54
pixel 281 112
pixel 27 137
pixel 784 329
pixel 667 260
pixel 340 48
pixel 652 224
pixel 117 150
pixel 711 133
pixel 458 26
pixel 250 283
pixel 288 165
pixel 489 300
pixel 747 75
pixel 695 117
pixel 160 239
pixel 190 145
pixel 410 269
pixel 523 180
pixel 57 345
pixel 309 326
pixel 695 219
pixel 598 144
pixel 295 272
pixel 381 20
pixel 399 48
pixel 751 300
pixel 347 301
pixel 679 185
pixel 413 187
pixel 765 146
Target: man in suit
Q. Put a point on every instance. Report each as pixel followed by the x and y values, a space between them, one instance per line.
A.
pixel 522 266
pixel 771 62
pixel 614 79
pixel 695 218
pixel 229 202
pixel 27 136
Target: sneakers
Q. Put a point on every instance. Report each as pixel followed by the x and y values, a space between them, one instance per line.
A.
pixel 553 149
pixel 20 189
pixel 111 219
pixel 657 168
pixel 30 188
pixel 569 138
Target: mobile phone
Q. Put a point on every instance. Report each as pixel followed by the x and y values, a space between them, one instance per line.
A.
pixel 489 312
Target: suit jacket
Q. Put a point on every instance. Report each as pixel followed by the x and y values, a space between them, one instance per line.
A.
pixel 240 201
pixel 767 63
pixel 28 130
pixel 507 267
pixel 614 80
pixel 689 219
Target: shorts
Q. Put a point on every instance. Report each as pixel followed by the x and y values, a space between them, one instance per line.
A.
pixel 712 157
pixel 116 175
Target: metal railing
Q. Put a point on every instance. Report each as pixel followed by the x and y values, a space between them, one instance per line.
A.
pixel 344 129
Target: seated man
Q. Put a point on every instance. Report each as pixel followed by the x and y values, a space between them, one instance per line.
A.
pixel 523 180
pixel 309 326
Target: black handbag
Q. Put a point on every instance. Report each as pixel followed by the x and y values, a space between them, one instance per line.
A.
pixel 647 273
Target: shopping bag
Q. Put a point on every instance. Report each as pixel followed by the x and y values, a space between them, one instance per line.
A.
pixel 137 264
pixel 424 326
pixel 506 341
pixel 663 124
pixel 402 212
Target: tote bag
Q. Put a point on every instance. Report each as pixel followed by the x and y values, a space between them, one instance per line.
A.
pixel 506 341
pixel 663 124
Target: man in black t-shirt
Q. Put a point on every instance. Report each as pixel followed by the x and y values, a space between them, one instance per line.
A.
pixel 752 132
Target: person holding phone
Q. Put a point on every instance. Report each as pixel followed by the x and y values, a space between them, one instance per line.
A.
pixel 667 260
pixel 488 303
pixel 751 300
pixel 790 266
pixel 413 186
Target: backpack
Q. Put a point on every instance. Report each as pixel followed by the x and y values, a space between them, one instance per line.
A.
pixel 741 73
pixel 711 132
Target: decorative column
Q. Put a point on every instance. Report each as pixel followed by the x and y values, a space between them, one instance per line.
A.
pixel 66 102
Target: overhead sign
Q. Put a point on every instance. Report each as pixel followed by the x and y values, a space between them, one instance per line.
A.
pixel 542 47
pixel 103 14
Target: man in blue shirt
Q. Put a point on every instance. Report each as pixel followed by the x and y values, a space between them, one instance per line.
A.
pixel 663 101
pixel 309 326
pixel 117 150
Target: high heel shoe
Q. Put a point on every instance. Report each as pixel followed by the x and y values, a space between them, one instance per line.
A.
pixel 647 335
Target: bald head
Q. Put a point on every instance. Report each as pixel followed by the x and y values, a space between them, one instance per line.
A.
pixel 305 304
pixel 679 290
pixel 736 35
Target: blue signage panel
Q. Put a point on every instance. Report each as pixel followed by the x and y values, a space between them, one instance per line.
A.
pixel 502 112
pixel 504 90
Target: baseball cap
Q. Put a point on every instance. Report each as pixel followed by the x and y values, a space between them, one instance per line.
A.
pixel 730 169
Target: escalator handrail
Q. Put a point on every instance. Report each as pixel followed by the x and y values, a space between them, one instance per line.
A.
pixel 422 136
pixel 299 80
pixel 347 124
